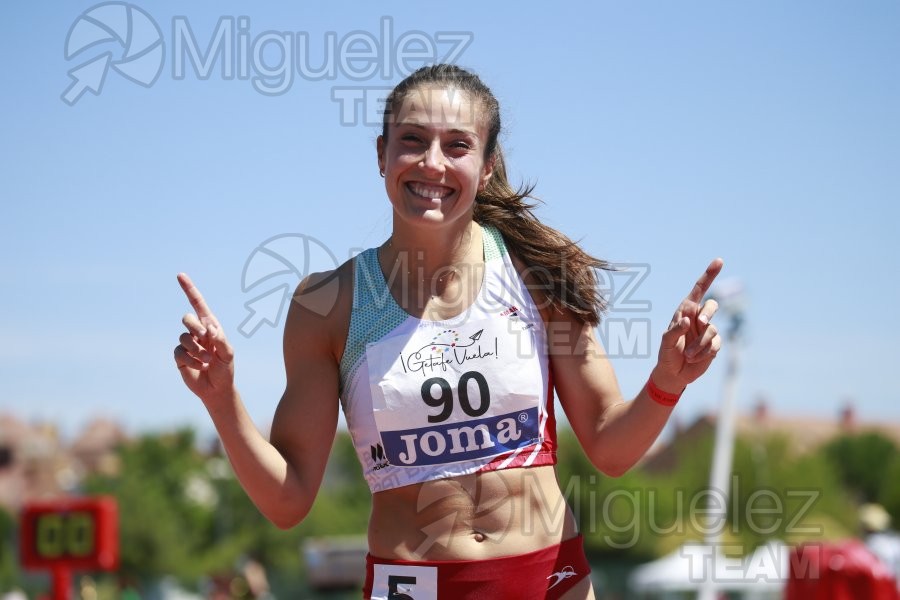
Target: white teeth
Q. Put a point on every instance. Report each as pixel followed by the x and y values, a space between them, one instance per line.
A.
pixel 429 191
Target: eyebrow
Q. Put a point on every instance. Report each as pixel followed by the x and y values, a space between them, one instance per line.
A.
pixel 422 127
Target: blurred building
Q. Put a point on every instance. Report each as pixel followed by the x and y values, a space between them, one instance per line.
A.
pixel 95 448
pixel 803 433
pixel 36 463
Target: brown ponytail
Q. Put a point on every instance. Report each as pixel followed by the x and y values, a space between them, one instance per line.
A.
pixel 560 267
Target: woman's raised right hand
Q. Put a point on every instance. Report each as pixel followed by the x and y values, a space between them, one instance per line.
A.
pixel 204 357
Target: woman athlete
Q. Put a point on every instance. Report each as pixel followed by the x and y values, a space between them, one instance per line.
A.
pixel 444 346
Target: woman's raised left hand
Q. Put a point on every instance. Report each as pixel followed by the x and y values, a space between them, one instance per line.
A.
pixel 691 341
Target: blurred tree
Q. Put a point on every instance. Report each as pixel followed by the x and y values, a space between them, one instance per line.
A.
pixel 890 490
pixel 184 513
pixel 776 494
pixel 163 528
pixel 860 460
pixel 9 573
pixel 773 494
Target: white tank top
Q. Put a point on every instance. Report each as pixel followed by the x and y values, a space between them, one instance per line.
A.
pixel 427 400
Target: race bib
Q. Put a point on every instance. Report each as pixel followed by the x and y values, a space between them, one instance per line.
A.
pixel 447 395
pixel 404 582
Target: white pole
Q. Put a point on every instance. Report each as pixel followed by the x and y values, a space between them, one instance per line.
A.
pixel 723 451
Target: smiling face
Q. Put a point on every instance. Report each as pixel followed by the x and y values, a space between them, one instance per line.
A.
pixel 433 157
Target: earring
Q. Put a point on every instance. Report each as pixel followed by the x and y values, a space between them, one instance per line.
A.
pixel 381 172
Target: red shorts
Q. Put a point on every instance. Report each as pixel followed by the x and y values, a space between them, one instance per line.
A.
pixel 547 573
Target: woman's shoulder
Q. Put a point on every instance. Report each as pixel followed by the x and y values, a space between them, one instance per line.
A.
pixel 321 306
pixel 321 292
pixel 540 291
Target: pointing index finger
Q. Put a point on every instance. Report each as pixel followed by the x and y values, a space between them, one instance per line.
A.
pixel 194 296
pixel 702 286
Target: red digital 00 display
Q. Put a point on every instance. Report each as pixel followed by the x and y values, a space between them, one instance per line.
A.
pixel 75 533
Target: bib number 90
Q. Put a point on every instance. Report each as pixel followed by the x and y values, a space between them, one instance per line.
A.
pixel 444 400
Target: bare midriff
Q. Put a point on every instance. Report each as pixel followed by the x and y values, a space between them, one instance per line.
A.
pixel 471 517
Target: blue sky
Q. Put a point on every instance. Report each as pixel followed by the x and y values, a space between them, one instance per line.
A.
pixel 658 133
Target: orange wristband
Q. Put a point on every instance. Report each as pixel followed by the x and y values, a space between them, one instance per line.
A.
pixel 661 397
